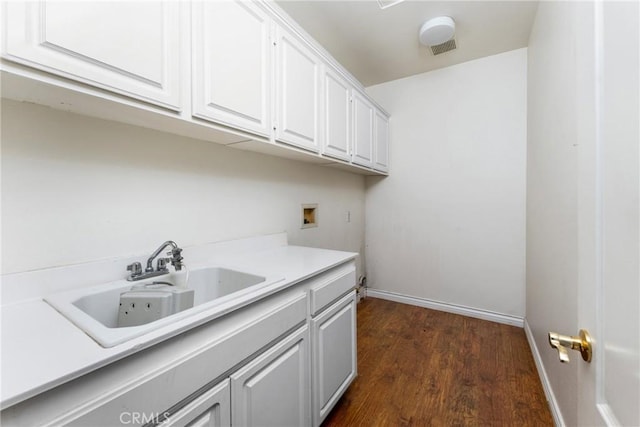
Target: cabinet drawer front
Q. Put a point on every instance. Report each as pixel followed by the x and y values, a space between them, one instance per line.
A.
pixel 332 286
pixel 128 47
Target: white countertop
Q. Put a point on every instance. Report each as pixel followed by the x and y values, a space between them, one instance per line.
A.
pixel 41 349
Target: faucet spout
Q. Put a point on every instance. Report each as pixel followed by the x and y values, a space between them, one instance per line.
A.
pixel 175 260
pixel 176 257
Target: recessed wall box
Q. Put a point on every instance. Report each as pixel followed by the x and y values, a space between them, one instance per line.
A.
pixel 309 215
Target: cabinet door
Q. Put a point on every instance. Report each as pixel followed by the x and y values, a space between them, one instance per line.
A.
pixel 212 409
pixel 337 115
pixel 128 47
pixel 232 64
pixel 334 355
pixel 273 389
pixel 381 142
pixel 297 89
pixel 362 130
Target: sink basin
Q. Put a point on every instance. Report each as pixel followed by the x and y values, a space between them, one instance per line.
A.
pixel 95 310
pixel 212 283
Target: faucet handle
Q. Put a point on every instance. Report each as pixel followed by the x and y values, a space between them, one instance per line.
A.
pixel 135 269
pixel 162 263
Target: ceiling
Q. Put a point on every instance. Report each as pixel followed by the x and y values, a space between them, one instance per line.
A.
pixel 378 45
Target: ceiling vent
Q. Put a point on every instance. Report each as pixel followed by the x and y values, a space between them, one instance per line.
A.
pixel 438 33
pixel 443 47
pixel 388 3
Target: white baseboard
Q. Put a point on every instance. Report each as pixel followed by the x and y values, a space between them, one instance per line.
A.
pixel 449 308
pixel 544 379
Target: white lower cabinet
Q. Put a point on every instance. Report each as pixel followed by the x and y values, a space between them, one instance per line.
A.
pixel 283 360
pixel 334 354
pixel 273 390
pixel 212 409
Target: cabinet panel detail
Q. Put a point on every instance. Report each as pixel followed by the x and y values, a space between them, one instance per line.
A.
pixel 381 142
pixel 334 357
pixel 274 388
pixel 362 130
pixel 128 47
pixel 232 64
pixel 337 116
pixel 297 92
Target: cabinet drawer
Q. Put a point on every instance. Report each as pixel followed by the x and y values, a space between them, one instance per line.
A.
pixel 331 286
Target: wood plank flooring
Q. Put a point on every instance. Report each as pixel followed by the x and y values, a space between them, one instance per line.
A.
pixel 421 367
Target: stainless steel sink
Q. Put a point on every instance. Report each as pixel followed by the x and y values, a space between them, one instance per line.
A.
pixel 95 310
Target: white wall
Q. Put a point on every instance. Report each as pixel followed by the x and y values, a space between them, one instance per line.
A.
pixel 77 189
pixel 448 224
pixel 552 191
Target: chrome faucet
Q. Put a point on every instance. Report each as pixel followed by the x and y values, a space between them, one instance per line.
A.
pixel 161 266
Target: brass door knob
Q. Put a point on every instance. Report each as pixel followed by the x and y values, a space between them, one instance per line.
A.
pixel 562 343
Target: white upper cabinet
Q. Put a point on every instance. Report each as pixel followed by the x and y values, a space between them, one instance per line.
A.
pixel 239 69
pixel 297 89
pixel 232 64
pixel 381 142
pixel 128 47
pixel 362 130
pixel 337 116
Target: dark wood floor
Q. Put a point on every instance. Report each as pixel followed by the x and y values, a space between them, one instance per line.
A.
pixel 423 367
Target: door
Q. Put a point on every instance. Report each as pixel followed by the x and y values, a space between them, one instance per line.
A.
pixel 362 130
pixel 297 92
pixel 334 355
pixel 609 298
pixel 232 64
pixel 273 389
pixel 337 116
pixel 128 47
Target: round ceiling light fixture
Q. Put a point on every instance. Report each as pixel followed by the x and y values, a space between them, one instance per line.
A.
pixel 437 31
